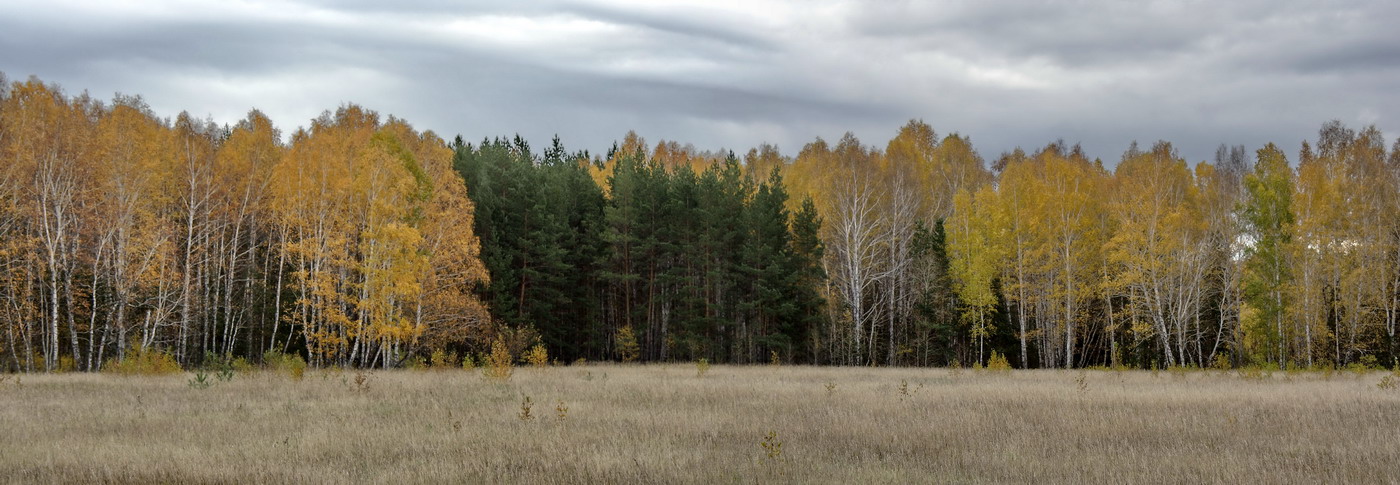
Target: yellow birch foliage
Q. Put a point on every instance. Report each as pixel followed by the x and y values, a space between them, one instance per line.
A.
pixel 380 232
pixel 976 247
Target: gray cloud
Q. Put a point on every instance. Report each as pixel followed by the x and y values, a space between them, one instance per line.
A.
pixel 736 74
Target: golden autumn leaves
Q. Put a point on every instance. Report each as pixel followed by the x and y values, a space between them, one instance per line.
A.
pixel 353 239
pixel 121 229
pixel 383 243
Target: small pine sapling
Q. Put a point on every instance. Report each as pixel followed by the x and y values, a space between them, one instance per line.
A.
pixel 525 413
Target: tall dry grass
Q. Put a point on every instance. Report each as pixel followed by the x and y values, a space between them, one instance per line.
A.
pixel 663 424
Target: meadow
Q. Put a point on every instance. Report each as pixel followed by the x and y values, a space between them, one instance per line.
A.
pixel 601 423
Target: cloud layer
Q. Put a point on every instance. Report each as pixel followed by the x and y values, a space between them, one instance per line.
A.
pixel 732 74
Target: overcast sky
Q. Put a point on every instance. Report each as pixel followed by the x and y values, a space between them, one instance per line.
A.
pixel 733 74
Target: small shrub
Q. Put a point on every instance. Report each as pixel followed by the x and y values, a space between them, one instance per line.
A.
pixel 143 361
pixel 1081 381
pixel 772 447
pixel 443 360
pixel 1370 361
pixel 224 375
pixel 290 365
pixel 701 367
pixel 627 346
pixel 773 358
pixel 1364 365
pixel 1221 362
pixel 830 388
pixel 1387 383
pixel 498 364
pixel 525 406
pixel 361 382
pixel 537 356
pixel 998 363
pixel 468 363
pixel 241 365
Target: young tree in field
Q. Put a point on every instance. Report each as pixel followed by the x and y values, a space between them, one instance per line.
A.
pixel 1269 222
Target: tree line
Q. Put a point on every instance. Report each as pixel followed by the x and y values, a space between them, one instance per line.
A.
pixel 359 241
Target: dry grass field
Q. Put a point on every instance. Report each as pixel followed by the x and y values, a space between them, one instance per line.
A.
pixel 663 424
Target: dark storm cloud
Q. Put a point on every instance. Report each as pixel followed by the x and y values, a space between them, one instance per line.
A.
pixel 736 74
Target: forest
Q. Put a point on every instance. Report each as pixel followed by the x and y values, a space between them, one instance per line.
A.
pixel 360 241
